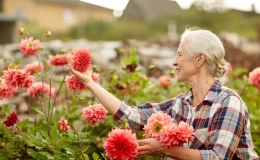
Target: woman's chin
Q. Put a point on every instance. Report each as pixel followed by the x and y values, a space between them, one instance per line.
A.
pixel 179 79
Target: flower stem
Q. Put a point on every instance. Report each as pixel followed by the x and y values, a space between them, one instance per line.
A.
pixel 243 89
pixel 57 95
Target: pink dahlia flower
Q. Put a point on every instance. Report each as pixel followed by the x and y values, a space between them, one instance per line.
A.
pixel 64 124
pixel 39 88
pixel 155 124
pixel 34 67
pixel 135 89
pixel 81 60
pixel 29 46
pixel 6 91
pixel 164 80
pixel 168 136
pixel 229 66
pixel 12 119
pixel 121 145
pixel 17 78
pixel 74 83
pixel 254 77
pixel 176 135
pixel 58 60
pixel 185 132
pixel 94 113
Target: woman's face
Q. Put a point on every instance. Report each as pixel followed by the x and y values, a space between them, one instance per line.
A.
pixel 185 64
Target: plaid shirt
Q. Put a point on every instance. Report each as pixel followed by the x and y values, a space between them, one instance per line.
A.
pixel 221 124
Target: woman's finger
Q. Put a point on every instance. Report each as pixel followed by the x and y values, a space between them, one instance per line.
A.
pixel 142 154
pixel 142 148
pixel 142 142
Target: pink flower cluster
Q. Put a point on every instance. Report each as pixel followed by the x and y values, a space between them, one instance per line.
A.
pixel 164 80
pixel 29 47
pixel 121 145
pixel 254 77
pixel 34 67
pixel 161 126
pixel 39 88
pixel 155 124
pixel 58 60
pixel 81 60
pixel 17 78
pixel 74 83
pixel 12 119
pixel 6 91
pixel 63 123
pixel 94 113
pixel 133 90
pixel 176 135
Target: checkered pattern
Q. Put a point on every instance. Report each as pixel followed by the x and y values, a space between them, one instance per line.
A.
pixel 221 124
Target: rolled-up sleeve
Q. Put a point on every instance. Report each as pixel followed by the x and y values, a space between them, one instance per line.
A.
pixel 137 116
pixel 226 129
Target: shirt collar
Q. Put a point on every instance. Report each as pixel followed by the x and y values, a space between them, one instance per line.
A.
pixel 210 96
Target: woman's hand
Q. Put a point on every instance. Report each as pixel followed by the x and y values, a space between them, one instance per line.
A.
pixel 84 77
pixel 149 147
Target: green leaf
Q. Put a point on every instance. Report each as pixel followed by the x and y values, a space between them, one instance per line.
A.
pixel 95 156
pixel 84 157
pixel 40 112
pixel 54 134
pixel 40 156
pixel 31 152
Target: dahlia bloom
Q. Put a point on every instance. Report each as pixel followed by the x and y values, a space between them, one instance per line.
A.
pixel 121 145
pixel 29 47
pixel 185 132
pixel 17 78
pixel 58 60
pixel 168 136
pixel 125 91
pixel 254 77
pixel 74 83
pixel 95 77
pixel 39 88
pixel 176 135
pixel 81 60
pixel 135 89
pixel 34 67
pixel 230 69
pixel 6 91
pixel 12 119
pixel 155 124
pixel 164 80
pixel 94 113
pixel 64 124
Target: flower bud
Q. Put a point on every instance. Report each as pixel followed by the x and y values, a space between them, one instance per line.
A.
pixel 21 30
pixel 47 33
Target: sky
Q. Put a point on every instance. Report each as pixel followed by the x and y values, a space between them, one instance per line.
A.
pixel 120 5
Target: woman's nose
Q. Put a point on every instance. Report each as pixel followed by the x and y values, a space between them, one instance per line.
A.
pixel 174 63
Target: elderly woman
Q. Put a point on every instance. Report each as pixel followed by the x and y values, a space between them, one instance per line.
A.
pixel 218 114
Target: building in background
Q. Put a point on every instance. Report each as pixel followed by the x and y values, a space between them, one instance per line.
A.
pixel 55 15
pixel 149 9
pixel 7 26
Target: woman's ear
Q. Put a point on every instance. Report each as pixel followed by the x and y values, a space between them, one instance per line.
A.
pixel 200 59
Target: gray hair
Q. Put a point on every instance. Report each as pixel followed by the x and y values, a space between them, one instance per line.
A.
pixel 205 42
